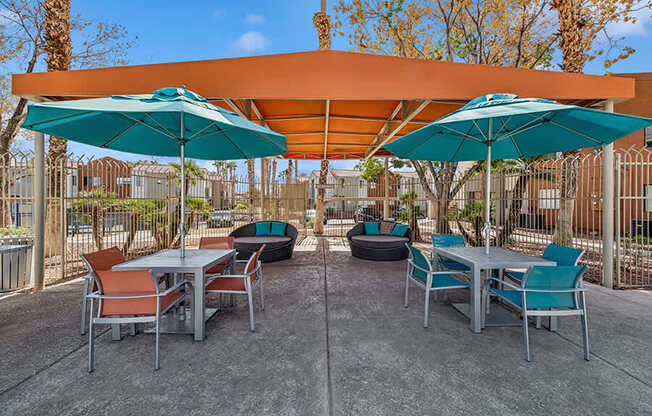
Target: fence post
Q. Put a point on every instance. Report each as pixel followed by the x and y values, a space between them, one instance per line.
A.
pixel 608 210
pixel 62 207
pixel 38 212
pixel 618 214
pixel 386 190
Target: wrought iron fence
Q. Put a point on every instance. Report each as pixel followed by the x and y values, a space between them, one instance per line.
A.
pixel 99 203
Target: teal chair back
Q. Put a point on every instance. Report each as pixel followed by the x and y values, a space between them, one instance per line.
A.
pixel 420 260
pixel 563 256
pixel 441 240
pixel 552 278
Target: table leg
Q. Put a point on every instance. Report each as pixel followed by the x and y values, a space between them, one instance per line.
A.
pixel 199 305
pixel 115 332
pixel 475 300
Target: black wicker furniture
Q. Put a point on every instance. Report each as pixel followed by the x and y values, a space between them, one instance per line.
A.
pixel 277 247
pixel 379 247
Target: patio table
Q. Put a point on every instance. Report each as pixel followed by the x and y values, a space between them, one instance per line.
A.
pixel 477 260
pixel 195 262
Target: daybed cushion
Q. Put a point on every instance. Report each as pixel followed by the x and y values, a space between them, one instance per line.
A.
pixel 271 242
pixel 371 228
pixel 263 228
pixel 380 241
pixel 278 229
pixel 400 230
pixel 386 227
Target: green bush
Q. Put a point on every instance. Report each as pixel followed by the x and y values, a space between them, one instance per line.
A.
pixel 242 206
pixel 6 232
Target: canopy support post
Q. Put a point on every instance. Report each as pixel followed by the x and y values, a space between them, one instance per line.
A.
pixel 38 207
pixel 608 209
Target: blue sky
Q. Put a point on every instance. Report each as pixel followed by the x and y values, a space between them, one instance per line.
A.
pixel 170 31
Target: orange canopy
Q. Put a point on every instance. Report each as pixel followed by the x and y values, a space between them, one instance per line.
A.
pixel 338 105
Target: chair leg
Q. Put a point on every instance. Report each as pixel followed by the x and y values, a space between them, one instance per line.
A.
pixel 132 330
pixel 407 289
pixel 91 344
pixel 538 322
pixel 158 341
pixel 585 329
pixel 251 311
pixel 425 309
pixel 526 340
pixel 83 307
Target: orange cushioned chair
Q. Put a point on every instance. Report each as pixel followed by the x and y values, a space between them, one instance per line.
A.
pixel 102 260
pixel 242 284
pixel 126 297
pixel 217 243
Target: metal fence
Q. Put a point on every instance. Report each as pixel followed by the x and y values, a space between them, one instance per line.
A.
pixel 94 204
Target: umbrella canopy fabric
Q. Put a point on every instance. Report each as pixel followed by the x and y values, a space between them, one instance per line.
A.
pixel 503 126
pixel 150 124
pixel 168 122
pixel 521 127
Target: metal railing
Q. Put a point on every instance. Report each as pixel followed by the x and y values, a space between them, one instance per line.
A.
pixel 95 204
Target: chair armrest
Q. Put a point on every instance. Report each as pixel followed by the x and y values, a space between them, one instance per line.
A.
pixel 173 288
pixel 504 283
pixel 358 229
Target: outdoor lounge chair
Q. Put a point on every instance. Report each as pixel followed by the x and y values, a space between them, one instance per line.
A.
pixel 277 237
pixel 127 297
pixel 242 284
pixel 443 263
pixel 103 260
pixel 381 244
pixel 562 255
pixel 544 291
pixel 420 272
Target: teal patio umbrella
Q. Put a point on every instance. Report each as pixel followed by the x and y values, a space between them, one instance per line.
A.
pixel 168 122
pixel 504 126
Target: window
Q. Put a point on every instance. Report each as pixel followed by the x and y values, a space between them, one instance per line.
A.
pixel 139 181
pixel 647 198
pixel 97 180
pixel 647 136
pixel 123 181
pixel 549 198
pixel 74 180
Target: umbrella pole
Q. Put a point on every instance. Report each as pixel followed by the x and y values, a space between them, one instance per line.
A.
pixel 182 251
pixel 487 209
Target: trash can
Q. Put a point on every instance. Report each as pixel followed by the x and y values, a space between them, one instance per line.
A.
pixel 15 266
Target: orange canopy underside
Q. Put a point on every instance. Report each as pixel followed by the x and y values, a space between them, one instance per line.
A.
pixel 333 104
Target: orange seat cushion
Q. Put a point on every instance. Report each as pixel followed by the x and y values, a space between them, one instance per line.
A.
pixel 141 306
pixel 227 283
pixel 218 268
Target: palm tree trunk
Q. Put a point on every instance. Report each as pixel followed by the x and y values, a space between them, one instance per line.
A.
pixel 251 172
pixel 318 227
pixel 572 27
pixel 59 52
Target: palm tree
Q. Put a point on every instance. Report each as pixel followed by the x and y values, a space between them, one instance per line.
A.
pixel 59 52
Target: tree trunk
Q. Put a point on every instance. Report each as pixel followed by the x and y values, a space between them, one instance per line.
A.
pixel 97 224
pixel 59 52
pixel 514 210
pixel 572 19
pixel 133 229
pixel 251 173
pixel 567 195
pixel 318 227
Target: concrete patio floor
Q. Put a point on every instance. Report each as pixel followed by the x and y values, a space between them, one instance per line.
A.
pixel 334 339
